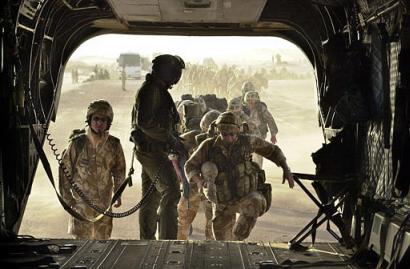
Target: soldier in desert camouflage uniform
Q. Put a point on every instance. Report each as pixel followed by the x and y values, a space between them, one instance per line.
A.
pixel 247 86
pixel 262 119
pixel 95 161
pixel 235 185
pixel 188 208
pixel 235 106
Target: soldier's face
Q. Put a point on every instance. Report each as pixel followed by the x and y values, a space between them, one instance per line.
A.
pixel 99 124
pixel 229 137
pixel 252 102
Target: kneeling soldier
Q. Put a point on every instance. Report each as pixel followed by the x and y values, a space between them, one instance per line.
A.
pixel 235 186
pixel 188 207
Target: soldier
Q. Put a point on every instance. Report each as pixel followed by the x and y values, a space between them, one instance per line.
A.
pixel 235 106
pixel 154 125
pixel 95 162
pixel 123 79
pixel 261 118
pixel 188 208
pixel 234 187
pixel 247 86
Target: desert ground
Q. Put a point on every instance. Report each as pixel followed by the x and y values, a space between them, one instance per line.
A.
pixel 293 105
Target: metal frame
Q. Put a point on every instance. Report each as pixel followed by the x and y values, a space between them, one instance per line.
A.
pixel 325 212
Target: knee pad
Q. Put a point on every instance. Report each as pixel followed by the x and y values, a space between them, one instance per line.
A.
pixel 253 205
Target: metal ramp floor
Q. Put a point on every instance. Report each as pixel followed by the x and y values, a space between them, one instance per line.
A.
pixel 66 253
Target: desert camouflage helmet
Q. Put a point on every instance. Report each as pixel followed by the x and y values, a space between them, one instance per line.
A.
pixel 235 104
pixel 251 96
pixel 208 118
pixel 101 107
pixel 248 86
pixel 227 122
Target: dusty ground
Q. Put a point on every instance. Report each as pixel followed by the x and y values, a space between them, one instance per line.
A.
pixel 291 102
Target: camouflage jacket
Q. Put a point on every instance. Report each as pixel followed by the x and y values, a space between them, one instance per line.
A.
pixel 98 171
pixel 261 118
pixel 255 144
pixel 154 115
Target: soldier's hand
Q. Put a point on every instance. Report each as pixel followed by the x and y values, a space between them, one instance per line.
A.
pixel 118 203
pixel 273 139
pixel 287 175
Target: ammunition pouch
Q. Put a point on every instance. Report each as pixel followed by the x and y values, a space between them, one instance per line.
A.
pixel 264 188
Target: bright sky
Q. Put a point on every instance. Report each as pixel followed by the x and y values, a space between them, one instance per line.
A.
pixel 191 48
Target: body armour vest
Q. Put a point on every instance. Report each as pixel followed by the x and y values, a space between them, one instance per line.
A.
pixel 237 175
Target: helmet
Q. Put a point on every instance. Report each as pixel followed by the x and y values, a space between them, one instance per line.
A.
pixel 247 86
pixel 235 104
pixel 182 105
pixel 101 107
pixel 227 122
pixel 168 68
pixel 208 118
pixel 251 96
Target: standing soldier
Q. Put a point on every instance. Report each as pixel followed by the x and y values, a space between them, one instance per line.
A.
pixel 235 106
pixel 188 207
pixel 261 118
pixel 95 162
pixel 154 124
pixel 123 78
pixel 247 86
pixel 235 186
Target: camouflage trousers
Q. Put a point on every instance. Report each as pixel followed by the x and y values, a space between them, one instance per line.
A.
pixel 187 210
pixel 99 230
pixel 227 227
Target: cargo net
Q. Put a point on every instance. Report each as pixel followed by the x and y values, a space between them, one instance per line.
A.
pixel 378 165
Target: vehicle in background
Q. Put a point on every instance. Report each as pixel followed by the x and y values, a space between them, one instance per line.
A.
pixel 130 64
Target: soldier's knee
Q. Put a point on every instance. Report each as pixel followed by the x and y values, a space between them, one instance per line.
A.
pixel 253 205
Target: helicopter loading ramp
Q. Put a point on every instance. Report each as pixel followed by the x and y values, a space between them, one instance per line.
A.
pixel 66 253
